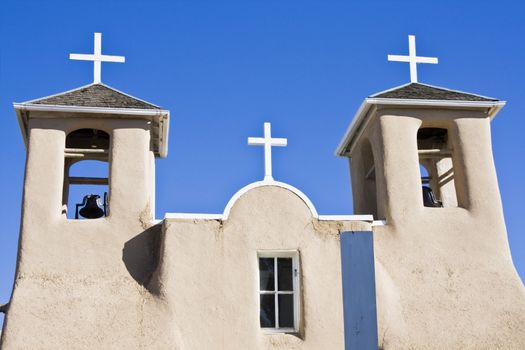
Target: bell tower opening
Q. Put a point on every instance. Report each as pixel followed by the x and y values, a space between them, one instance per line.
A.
pixel 370 193
pixel 436 168
pixel 86 174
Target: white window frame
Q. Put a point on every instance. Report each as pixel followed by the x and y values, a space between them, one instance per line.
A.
pixel 294 254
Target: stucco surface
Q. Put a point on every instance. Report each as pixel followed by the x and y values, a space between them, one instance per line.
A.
pixel 444 276
pixel 122 282
pixel 209 273
pixel 81 284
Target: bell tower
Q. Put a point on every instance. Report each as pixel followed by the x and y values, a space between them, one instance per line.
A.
pixel 421 162
pixel 87 242
pixel 97 124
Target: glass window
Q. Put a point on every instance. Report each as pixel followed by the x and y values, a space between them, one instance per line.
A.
pixel 278 289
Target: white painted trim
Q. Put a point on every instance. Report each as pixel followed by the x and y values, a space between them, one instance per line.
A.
pixel 257 184
pixel 378 223
pixel 161 116
pixel 253 185
pixel 193 216
pixel 296 292
pixel 493 106
pixel 440 103
pixel 83 109
pixel 354 124
pixel 368 218
pixel 164 123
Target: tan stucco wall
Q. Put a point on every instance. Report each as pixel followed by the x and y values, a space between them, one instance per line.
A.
pixel 444 276
pixel 121 283
pixel 209 274
pixel 79 283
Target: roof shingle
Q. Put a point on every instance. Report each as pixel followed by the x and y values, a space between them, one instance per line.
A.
pixel 418 91
pixel 95 95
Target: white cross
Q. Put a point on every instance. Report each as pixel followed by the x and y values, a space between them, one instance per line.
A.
pixel 97 57
pixel 267 142
pixel 412 58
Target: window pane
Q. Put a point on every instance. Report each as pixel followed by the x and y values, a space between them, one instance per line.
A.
pixel 285 274
pixel 286 311
pixel 266 276
pixel 267 314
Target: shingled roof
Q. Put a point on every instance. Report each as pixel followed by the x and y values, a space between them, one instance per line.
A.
pixel 418 91
pixel 94 95
pixel 414 95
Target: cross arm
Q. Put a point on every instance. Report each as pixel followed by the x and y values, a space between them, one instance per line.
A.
pixel 432 60
pixel 255 141
pixel 107 58
pixel 82 57
pixel 399 58
pixel 279 142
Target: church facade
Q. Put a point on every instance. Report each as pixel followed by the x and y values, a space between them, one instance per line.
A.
pixel 269 272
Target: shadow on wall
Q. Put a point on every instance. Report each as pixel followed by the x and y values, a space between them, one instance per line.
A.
pixel 141 256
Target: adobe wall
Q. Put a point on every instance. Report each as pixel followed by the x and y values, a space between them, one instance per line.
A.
pixel 79 284
pixel 121 282
pixel 444 276
pixel 209 274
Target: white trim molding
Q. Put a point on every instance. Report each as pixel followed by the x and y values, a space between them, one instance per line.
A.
pixel 276 292
pixel 161 117
pixel 253 185
pixel 363 114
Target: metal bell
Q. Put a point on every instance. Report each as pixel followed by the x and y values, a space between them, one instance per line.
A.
pixel 428 198
pixel 91 207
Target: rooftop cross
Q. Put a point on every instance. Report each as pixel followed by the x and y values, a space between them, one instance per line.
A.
pixel 97 57
pixel 412 59
pixel 267 141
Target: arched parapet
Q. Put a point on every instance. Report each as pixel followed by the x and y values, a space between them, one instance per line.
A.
pixel 257 184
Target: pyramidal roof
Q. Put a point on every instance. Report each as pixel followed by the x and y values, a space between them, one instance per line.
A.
pixel 414 95
pixel 418 91
pixel 99 101
pixel 94 95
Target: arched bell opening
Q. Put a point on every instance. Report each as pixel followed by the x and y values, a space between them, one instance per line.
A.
pixel 86 174
pixel 436 168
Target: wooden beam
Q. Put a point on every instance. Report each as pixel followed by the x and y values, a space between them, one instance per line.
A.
pixel 86 150
pixel 95 156
pixel 76 180
pixel 434 153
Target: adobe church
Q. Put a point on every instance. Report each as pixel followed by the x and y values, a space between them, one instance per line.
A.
pixel 423 264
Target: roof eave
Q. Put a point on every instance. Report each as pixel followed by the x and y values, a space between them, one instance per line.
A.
pixel 163 142
pixel 492 106
pixel 22 110
pixel 83 109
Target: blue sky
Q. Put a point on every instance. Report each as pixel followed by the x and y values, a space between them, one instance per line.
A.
pixel 224 67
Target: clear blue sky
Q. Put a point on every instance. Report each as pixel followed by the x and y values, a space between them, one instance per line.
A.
pixel 224 67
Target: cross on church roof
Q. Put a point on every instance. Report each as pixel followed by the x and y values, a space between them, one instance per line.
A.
pixel 412 59
pixel 97 57
pixel 267 141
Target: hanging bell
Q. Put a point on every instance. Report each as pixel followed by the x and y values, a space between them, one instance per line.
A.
pixel 91 207
pixel 428 198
